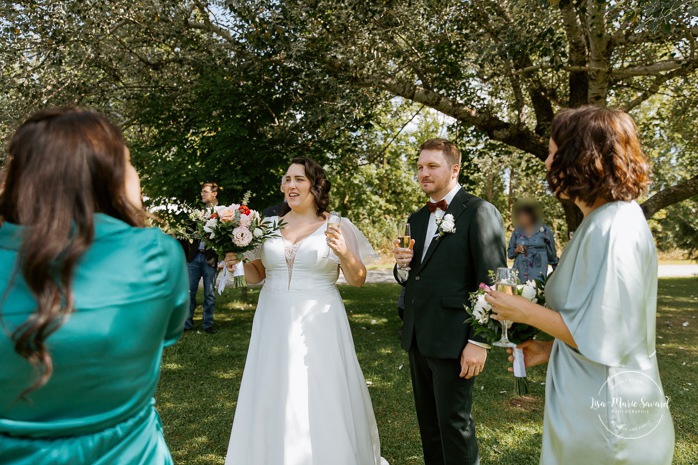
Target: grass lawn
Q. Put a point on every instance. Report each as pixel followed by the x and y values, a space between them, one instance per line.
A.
pixel 201 375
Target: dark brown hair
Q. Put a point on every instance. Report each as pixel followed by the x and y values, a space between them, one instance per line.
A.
pixel 598 155
pixel 64 165
pixel 447 147
pixel 319 184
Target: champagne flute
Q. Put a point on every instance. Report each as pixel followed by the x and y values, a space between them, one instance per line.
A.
pixel 506 281
pixel 335 219
pixel 404 237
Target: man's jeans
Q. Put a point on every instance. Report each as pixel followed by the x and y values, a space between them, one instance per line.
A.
pixel 198 268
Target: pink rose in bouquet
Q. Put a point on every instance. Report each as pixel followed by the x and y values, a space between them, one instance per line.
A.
pixel 242 236
pixel 227 215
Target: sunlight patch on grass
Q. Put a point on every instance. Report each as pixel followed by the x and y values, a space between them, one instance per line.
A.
pixel 171 366
pixel 239 305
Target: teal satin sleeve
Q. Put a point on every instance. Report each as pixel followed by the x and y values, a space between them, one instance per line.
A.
pixel 179 277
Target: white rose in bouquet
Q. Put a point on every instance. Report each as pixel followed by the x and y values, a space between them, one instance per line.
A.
pixel 210 224
pixel 258 232
pixel 481 310
pixel 529 291
pixel 245 220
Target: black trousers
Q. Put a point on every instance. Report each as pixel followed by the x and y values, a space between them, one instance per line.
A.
pixel 443 401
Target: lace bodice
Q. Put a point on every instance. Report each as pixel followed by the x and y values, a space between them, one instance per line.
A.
pixel 300 266
pixel 290 251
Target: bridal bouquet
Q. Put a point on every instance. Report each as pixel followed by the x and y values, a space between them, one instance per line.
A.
pixel 234 228
pixel 480 312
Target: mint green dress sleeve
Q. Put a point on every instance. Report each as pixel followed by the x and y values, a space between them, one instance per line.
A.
pixel 607 306
pixel 98 407
pixel 604 401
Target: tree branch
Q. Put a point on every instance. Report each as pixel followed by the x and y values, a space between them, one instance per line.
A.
pixel 645 37
pixel 654 69
pixel 207 25
pixel 671 195
pixel 516 136
pixel 657 85
pixel 537 92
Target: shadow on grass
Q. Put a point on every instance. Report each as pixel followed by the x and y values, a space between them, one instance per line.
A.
pixel 201 376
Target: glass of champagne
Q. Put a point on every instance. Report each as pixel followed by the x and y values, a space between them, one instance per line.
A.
pixel 405 237
pixel 522 244
pixel 335 219
pixel 506 281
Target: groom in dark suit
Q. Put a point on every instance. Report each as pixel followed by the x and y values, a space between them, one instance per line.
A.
pixel 457 239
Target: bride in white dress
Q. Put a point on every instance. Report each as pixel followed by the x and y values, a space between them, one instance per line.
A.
pixel 303 398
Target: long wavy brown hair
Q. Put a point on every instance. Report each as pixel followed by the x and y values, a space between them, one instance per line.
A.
pixel 598 155
pixel 64 165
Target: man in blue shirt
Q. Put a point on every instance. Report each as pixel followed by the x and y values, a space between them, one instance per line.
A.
pixel 202 263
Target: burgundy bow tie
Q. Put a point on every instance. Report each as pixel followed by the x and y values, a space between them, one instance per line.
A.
pixel 432 206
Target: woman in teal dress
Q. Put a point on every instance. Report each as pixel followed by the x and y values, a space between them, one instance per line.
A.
pixel 604 401
pixel 532 244
pixel 88 299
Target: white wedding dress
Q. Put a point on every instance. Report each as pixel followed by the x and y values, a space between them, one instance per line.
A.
pixel 303 398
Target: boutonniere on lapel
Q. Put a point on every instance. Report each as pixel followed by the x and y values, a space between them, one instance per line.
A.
pixel 445 225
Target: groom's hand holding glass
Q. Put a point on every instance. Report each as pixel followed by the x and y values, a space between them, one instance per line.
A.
pixel 403 256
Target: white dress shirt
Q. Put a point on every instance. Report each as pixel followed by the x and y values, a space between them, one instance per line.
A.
pixel 431 233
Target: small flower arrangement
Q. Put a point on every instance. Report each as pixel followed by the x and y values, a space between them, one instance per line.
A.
pixel 480 319
pixel 445 225
pixel 233 229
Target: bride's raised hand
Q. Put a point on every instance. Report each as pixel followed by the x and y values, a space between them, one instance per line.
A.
pixel 335 239
pixel 231 261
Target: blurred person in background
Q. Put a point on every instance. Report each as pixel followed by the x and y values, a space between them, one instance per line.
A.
pixel 532 244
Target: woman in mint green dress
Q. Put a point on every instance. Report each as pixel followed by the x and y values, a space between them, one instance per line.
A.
pixel 604 401
pixel 88 299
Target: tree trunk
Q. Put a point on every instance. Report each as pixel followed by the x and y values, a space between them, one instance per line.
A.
pixel 511 188
pixel 573 216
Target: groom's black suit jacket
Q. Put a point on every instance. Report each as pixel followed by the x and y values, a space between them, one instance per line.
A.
pixel 438 286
